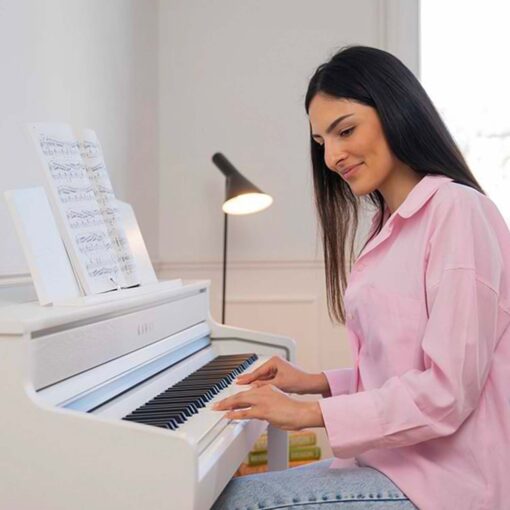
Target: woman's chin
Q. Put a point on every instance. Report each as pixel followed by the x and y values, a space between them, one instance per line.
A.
pixel 359 188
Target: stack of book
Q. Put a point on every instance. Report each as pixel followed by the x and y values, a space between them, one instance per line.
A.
pixel 302 450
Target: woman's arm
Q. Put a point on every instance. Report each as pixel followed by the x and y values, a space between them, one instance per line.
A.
pixel 287 377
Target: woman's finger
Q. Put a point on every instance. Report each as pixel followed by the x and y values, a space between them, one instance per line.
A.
pixel 259 384
pixel 239 415
pixel 265 371
pixel 238 401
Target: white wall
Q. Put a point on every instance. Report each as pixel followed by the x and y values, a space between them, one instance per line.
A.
pixel 90 63
pixel 233 77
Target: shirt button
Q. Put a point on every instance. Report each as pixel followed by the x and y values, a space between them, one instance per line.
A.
pixel 349 316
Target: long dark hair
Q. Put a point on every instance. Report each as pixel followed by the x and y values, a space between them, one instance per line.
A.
pixel 415 134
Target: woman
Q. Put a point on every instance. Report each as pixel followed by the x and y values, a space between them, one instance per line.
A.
pixel 424 414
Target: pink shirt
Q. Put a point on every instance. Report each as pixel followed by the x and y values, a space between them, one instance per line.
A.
pixel 428 308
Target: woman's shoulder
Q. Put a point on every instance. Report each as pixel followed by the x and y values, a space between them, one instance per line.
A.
pixel 455 190
pixel 465 208
pixel 454 195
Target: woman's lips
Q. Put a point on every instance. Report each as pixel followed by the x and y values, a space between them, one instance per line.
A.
pixel 352 171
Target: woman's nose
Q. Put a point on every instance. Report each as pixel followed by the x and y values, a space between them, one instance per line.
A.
pixel 334 155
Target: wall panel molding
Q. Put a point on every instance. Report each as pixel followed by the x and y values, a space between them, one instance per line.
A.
pixel 13 280
pixel 206 265
pixel 273 300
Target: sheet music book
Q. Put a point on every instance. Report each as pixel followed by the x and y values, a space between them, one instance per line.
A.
pixel 83 203
pixel 52 273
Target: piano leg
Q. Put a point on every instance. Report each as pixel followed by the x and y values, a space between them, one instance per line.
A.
pixel 277 448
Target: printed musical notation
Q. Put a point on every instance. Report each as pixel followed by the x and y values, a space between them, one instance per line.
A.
pixel 83 219
pixel 75 193
pixel 92 155
pixel 67 171
pixel 53 146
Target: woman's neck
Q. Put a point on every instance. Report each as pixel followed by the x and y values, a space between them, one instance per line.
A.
pixel 397 186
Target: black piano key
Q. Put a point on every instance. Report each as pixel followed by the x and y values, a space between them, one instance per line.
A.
pixel 164 423
pixel 196 401
pixel 177 390
pixel 214 383
pixel 167 409
pixel 227 375
pixel 218 368
pixel 161 415
pixel 218 374
pixel 204 396
pixel 214 389
pixel 161 399
pixel 166 406
pixel 156 419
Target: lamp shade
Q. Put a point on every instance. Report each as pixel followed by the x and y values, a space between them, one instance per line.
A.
pixel 241 196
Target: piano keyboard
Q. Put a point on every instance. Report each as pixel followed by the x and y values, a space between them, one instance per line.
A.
pixel 174 406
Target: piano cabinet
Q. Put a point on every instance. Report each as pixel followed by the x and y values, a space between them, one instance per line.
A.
pixel 71 374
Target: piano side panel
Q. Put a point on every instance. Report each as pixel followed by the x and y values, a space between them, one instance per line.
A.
pixel 230 340
pixel 219 462
pixel 236 345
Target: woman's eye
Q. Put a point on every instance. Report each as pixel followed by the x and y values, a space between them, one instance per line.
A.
pixel 346 132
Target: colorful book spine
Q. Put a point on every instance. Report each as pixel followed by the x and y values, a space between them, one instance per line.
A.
pixel 295 454
pixel 245 469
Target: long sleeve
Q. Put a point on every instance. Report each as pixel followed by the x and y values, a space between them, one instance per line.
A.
pixel 457 345
pixel 340 380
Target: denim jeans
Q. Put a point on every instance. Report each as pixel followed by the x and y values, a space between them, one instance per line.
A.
pixel 314 487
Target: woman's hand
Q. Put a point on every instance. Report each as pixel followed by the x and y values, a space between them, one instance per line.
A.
pixel 271 404
pixel 285 376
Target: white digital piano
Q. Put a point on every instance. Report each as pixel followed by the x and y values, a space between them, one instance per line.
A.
pixel 107 406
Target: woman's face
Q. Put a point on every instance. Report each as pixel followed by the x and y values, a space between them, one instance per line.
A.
pixel 352 136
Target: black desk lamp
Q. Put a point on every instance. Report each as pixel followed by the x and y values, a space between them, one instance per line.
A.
pixel 241 197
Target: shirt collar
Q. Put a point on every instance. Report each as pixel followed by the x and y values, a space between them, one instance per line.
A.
pixel 417 197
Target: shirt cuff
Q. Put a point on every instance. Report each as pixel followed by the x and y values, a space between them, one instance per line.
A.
pixel 352 423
